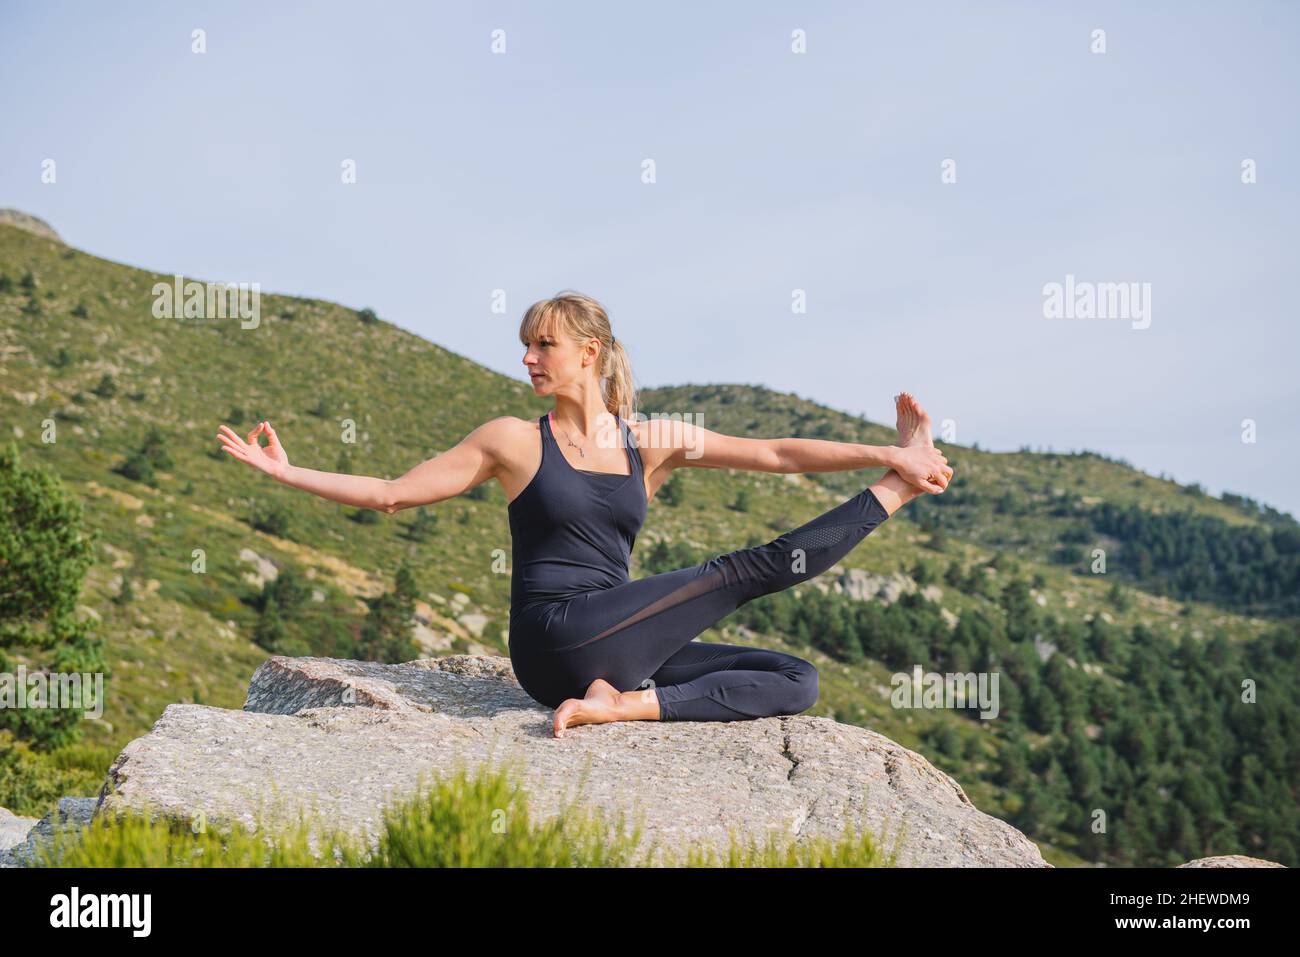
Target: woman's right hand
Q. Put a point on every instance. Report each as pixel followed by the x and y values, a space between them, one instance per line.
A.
pixel 272 459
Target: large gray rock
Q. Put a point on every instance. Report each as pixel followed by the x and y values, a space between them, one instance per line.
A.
pixel 351 735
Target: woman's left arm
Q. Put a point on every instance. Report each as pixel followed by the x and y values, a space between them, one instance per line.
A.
pixel 685 445
pixel 670 444
pixel 824 455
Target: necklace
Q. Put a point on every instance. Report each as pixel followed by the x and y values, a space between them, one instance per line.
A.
pixel 581 451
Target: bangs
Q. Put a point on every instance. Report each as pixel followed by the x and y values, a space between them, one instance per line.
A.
pixel 543 320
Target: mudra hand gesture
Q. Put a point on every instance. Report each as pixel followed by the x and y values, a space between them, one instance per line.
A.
pixel 271 459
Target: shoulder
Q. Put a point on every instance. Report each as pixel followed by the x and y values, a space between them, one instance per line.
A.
pixel 678 443
pixel 665 433
pixel 500 436
pixel 656 441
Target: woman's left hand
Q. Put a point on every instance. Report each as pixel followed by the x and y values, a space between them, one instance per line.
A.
pixel 923 466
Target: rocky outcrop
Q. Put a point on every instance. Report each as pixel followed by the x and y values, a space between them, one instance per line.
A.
pixel 351 736
pixel 863 585
pixel 16 217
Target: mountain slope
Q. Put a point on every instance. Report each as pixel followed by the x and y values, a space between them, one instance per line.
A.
pixel 980 580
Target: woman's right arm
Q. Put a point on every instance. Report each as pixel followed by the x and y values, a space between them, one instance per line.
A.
pixel 472 461
pixel 364 491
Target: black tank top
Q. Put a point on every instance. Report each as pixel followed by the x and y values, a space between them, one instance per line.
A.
pixel 572 530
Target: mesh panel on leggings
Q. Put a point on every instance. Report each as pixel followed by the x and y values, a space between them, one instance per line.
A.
pixel 693 589
pixel 809 538
pixel 821 537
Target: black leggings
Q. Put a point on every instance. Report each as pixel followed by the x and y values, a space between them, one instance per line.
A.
pixel 643 629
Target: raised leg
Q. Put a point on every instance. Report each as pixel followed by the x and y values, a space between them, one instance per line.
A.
pixel 646 628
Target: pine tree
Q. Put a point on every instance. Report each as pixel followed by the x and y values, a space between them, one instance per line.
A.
pixel 44 553
pixel 386 633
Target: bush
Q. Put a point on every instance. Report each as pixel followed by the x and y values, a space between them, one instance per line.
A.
pixel 270 517
pixel 921 573
pixel 425 525
pixel 672 491
pixel 288 591
pixel 138 468
pixel 125 594
pixel 31 783
pixel 106 388
pixel 938 540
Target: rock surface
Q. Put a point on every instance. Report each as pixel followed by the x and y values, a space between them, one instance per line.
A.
pixel 13 829
pixel 350 736
pixel 72 812
pixel 1231 860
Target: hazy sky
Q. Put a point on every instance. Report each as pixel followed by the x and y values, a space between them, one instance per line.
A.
pixel 775 171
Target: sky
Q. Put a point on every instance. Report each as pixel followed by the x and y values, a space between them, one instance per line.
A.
pixel 915 175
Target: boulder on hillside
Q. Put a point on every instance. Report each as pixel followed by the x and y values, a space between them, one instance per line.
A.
pixel 352 735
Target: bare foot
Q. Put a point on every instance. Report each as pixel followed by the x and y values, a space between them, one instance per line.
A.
pixel 914 429
pixel 601 704
pixel 913 421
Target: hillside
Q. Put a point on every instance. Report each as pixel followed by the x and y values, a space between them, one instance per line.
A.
pixel 1138 714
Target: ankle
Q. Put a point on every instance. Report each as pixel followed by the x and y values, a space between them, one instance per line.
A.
pixel 640 704
pixel 893 491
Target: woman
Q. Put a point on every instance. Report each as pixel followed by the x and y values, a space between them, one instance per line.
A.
pixel 584 638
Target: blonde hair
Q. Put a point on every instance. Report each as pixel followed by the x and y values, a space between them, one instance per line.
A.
pixel 581 318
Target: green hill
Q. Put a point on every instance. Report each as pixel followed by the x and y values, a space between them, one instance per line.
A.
pixel 1121 692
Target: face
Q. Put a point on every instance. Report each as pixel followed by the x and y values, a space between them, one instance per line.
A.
pixel 550 361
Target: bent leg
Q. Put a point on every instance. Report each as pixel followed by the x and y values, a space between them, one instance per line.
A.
pixel 713 682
